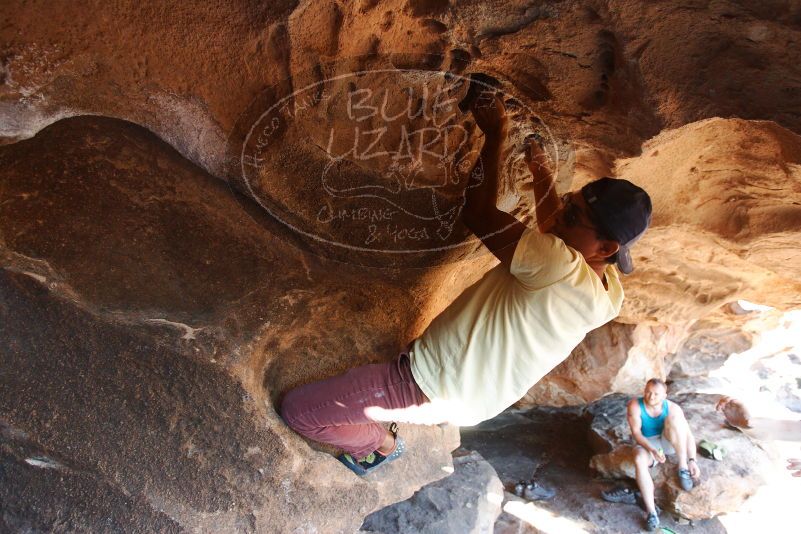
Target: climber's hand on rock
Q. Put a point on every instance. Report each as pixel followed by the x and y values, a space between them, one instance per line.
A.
pixel 536 158
pixel 490 114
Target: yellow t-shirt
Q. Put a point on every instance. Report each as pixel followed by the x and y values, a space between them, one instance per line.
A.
pixel 509 329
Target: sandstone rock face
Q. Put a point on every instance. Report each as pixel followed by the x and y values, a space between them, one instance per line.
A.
pixel 284 203
pixel 712 340
pixel 617 72
pixel 150 324
pixel 724 486
pixel 617 357
pixel 604 77
pixel 734 198
pixel 467 501
pixel 621 358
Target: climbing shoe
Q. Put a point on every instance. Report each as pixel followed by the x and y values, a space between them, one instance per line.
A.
pixel 652 522
pixel 711 450
pixel 372 461
pixel 620 494
pixel 685 479
pixel 533 491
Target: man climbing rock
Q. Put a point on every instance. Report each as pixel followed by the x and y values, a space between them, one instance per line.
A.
pixel 660 428
pixel 551 286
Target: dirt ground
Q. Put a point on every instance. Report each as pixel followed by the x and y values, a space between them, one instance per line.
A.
pixel 552 446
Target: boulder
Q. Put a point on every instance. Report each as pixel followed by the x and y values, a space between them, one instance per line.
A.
pixel 732 197
pixel 225 209
pixel 612 75
pixel 150 325
pixel 467 501
pixel 708 345
pixel 725 485
pixel 614 358
pixel 712 340
pixel 601 80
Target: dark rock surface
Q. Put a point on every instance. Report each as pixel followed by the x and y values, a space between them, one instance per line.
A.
pixel 123 416
pixel 466 502
pixel 148 325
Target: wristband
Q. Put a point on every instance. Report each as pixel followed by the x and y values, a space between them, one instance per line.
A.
pixel 691 460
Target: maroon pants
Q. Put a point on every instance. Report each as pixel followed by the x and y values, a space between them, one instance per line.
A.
pixel 332 411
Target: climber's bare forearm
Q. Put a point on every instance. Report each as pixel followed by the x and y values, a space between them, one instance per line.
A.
pixel 498 230
pixel 548 203
pixel 481 195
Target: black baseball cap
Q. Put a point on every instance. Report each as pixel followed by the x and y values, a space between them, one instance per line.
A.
pixel 622 211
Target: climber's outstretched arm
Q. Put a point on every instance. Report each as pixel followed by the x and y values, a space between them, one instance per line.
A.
pixel 498 230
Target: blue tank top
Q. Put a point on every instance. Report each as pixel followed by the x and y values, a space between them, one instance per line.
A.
pixel 653 426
